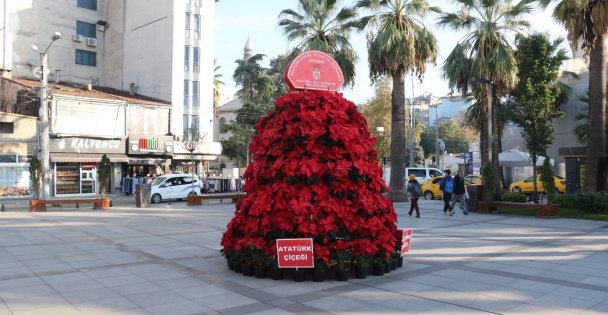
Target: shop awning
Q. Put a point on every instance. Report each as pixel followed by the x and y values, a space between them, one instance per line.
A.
pixel 75 157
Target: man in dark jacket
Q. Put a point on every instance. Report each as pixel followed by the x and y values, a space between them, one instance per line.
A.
pixel 460 193
pixel 447 186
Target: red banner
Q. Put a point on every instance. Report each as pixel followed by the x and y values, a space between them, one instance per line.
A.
pixel 295 253
pixel 406 240
pixel 314 70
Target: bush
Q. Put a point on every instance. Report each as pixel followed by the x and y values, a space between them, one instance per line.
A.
pixel 514 197
pixel 565 201
pixel 591 202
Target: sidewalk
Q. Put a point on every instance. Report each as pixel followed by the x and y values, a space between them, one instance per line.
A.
pixel 165 260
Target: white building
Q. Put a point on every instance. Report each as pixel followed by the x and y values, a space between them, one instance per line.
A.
pixel 156 48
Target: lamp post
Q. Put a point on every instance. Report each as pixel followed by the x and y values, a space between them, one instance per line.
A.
pixel 380 131
pixel 436 105
pixel 191 141
pixel 44 119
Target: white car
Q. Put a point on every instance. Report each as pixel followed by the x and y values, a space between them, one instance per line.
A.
pixel 175 186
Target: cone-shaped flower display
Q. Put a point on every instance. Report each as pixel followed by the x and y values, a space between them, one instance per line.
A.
pixel 314 175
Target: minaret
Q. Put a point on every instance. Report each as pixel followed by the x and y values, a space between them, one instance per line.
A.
pixel 247 51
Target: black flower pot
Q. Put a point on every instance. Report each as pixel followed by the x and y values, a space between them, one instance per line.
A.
pixel 341 274
pixel 248 270
pixel 230 264
pixel 387 266
pixel 298 275
pixel 238 267
pixel 400 262
pixel 360 272
pixel 394 264
pixel 318 275
pixel 369 269
pixel 276 274
pixel 259 271
pixel 378 269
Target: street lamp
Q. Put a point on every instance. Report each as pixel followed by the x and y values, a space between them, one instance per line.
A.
pixel 44 118
pixel 380 131
pixel 191 142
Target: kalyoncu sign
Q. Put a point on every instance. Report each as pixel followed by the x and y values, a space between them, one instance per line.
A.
pixel 87 145
pixel 314 70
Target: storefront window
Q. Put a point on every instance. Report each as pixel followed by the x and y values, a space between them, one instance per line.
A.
pixel 14 180
pixel 75 178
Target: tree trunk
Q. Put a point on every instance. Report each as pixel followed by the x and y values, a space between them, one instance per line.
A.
pixel 483 125
pixel 534 172
pixel 496 139
pixel 596 138
pixel 397 186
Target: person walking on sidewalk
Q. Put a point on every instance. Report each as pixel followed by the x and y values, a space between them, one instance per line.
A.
pixel 447 186
pixel 415 191
pixel 460 194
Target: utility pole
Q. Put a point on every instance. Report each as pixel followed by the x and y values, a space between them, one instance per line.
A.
pixel 412 125
pixel 44 120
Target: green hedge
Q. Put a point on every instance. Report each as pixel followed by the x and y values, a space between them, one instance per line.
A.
pixel 586 202
pixel 514 197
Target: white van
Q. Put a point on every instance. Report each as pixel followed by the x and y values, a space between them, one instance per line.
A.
pixel 174 186
pixel 422 174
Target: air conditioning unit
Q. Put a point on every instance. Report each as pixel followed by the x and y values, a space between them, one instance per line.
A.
pixel 78 38
pixel 92 42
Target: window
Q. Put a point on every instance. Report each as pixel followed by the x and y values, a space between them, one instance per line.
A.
pixel 434 173
pixel 187 59
pixel 188 15
pixel 185 125
pixel 195 59
pixel 186 93
pixel 223 126
pixel 194 125
pixel 197 26
pixel 420 173
pixel 85 57
pixel 86 29
pixel 195 95
pixel 7 127
pixel 87 4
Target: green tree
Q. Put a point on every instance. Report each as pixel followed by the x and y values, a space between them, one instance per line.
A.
pixel 377 112
pixel 485 54
pixel 217 83
pixel 251 76
pixel 586 22
pixel 546 176
pixel 455 136
pixel 236 146
pixel 276 71
pixel 399 43
pixel 538 62
pixel 36 174
pixel 322 25
pixel 418 156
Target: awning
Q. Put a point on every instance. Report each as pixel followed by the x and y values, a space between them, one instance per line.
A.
pixel 144 161
pixel 76 157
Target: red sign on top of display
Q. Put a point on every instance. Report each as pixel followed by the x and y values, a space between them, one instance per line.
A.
pixel 314 70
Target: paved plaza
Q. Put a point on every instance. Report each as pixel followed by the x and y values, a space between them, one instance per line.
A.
pixel 165 260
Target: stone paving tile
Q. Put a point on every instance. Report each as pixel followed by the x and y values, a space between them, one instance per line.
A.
pixel 178 308
pixel 156 298
pixel 104 305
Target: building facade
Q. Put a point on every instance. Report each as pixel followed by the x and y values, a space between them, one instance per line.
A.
pixel 155 49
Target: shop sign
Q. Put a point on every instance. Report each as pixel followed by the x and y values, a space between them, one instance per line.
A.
pixel 314 70
pixel 150 145
pixel 86 145
pixel 295 253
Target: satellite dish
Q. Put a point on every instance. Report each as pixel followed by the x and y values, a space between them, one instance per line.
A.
pixel 38 72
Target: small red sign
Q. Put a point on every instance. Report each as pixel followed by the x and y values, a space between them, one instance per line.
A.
pixel 295 253
pixel 314 70
pixel 406 240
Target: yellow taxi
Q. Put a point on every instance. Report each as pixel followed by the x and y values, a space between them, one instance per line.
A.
pixel 527 185
pixel 430 188
pixel 476 180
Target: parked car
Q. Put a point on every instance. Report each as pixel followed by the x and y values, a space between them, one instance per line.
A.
pixel 175 186
pixel 430 188
pixel 476 180
pixel 422 173
pixel 527 185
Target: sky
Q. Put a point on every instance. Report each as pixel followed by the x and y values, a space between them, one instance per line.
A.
pixel 236 20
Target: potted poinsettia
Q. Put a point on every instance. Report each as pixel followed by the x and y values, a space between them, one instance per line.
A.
pixel 362 263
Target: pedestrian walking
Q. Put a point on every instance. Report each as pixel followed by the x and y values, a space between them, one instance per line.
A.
pixel 460 193
pixel 415 191
pixel 447 186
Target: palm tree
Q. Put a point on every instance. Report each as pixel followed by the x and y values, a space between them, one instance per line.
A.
pixel 485 54
pixel 587 24
pixel 401 43
pixel 321 25
pixel 217 82
pixel 252 77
